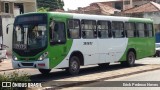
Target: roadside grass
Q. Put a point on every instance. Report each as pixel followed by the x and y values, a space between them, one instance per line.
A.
pixel 18 80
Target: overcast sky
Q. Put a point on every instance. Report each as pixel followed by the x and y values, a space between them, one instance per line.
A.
pixel 73 4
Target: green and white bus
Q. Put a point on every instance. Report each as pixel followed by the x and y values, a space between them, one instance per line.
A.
pixel 68 41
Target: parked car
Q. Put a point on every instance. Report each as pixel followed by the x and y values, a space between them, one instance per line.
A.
pixel 157 54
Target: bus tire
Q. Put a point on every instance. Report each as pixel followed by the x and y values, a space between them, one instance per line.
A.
pixel 104 65
pixel 131 58
pixel 158 53
pixel 45 71
pixel 74 65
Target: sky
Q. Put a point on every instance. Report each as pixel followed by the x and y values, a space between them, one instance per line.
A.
pixel 73 4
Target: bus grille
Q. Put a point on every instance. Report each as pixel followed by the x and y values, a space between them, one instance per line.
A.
pixel 27 58
pixel 27 64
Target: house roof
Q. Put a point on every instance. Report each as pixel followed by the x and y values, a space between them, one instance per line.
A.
pixel 148 7
pixel 107 9
pixel 96 7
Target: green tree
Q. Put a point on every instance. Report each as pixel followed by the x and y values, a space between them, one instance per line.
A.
pixel 42 9
pixel 51 4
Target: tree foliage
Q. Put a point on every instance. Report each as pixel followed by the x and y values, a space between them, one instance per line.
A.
pixel 42 9
pixel 51 4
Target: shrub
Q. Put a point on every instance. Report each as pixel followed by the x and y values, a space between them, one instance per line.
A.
pixel 17 77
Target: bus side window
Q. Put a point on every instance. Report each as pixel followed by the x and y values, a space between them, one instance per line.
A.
pixel 149 29
pixel 140 29
pixel 74 28
pixel 88 29
pixel 103 29
pixel 117 29
pixel 129 29
pixel 58 35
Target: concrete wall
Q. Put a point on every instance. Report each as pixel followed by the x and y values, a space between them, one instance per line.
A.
pixel 137 3
pixel 155 16
pixel 7 38
pixel 30 7
pixel 127 6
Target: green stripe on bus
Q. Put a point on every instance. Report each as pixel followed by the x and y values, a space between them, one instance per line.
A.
pixel 59 52
pixel 143 47
pixel 140 20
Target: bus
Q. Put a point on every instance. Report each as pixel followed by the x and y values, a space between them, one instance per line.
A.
pixel 68 41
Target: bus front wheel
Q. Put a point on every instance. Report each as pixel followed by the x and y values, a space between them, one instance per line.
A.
pixel 74 65
pixel 130 59
pixel 44 71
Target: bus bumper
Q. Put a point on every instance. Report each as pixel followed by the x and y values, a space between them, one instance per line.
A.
pixel 44 64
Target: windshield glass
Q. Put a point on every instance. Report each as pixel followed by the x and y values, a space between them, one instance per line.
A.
pixel 29 36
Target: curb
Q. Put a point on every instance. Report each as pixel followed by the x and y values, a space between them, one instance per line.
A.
pixel 6 70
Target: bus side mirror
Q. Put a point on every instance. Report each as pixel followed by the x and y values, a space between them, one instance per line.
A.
pixel 7 29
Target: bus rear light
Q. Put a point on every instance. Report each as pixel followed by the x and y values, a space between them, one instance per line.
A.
pixel 41 64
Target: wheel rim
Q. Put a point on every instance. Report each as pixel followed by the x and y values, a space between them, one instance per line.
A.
pixel 131 58
pixel 74 66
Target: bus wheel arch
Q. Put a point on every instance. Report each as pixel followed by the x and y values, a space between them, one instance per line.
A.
pixel 133 50
pixel 75 60
pixel 130 58
pixel 80 55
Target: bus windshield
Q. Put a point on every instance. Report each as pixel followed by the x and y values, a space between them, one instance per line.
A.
pixel 30 36
pixel 30 33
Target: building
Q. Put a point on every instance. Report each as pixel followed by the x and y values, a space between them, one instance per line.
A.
pixel 134 3
pixel 96 8
pixel 9 9
pixel 110 7
pixel 148 10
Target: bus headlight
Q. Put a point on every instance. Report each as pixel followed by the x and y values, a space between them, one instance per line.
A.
pixel 43 56
pixel 14 58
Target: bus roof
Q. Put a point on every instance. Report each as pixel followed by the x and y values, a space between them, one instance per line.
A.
pixel 97 17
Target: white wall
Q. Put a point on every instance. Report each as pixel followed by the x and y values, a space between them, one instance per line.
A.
pixel 30 7
pixel 7 38
pixel 139 3
pixel 155 16
pixel 16 11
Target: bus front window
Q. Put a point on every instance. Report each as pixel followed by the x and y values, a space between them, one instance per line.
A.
pixel 30 36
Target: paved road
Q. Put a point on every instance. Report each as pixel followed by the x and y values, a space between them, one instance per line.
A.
pixel 145 61
pixel 91 72
pixel 147 76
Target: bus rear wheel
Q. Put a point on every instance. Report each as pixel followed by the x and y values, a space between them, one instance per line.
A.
pixel 130 59
pixel 74 65
pixel 45 71
pixel 157 53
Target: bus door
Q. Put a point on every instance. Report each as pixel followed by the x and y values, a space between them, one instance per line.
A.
pixel 58 43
